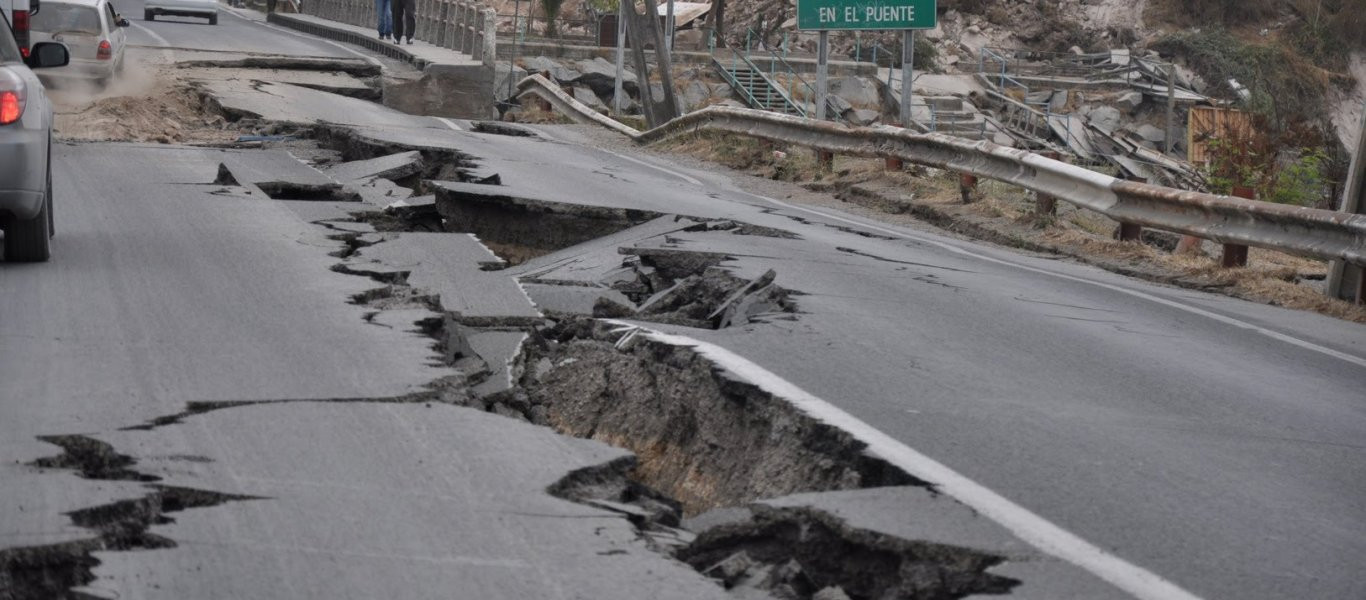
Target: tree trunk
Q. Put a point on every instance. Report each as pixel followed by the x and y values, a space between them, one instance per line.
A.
pixel 644 30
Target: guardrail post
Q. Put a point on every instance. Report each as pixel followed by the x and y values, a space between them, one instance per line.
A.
pixel 1131 232
pixel 471 13
pixel 894 164
pixel 477 35
pixel 1235 255
pixel 490 41
pixel 439 34
pixel 458 40
pixel 1045 204
pixel 967 187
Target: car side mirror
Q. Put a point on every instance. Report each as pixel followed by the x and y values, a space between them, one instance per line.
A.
pixel 45 55
pixel 123 22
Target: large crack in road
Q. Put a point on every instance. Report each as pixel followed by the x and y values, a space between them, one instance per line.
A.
pixel 703 438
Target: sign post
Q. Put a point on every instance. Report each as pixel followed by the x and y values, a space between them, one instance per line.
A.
pixel 822 74
pixel 875 15
pixel 907 74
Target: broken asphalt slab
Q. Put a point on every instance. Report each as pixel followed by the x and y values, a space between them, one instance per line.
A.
pixel 362 500
pixel 453 267
pixel 392 166
pixel 294 105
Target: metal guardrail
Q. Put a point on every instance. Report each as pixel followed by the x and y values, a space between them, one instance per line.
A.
pixel 1304 231
pixel 463 26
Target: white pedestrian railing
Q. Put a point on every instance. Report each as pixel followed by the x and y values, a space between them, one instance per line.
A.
pixel 466 27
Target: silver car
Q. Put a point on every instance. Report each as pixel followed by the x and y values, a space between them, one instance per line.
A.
pixel 26 148
pixel 91 31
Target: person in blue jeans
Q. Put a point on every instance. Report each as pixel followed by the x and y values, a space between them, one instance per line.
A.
pixel 386 19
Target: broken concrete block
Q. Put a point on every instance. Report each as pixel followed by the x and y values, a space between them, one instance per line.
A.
pixel 731 570
pixel 858 91
pixel 863 117
pixel 393 166
pixel 601 76
pixel 1130 101
pixel 1058 101
pixel 589 99
pixel 695 95
pixel 557 71
pixel 831 593
pixel 502 87
pixel 839 105
pixel 1105 118
pixel 1152 134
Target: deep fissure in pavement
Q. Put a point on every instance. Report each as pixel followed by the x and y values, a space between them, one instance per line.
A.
pixel 49 572
pixel 702 438
pixel 800 552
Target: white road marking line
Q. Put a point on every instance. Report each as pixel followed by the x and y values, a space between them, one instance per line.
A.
pixel 154 35
pixel 300 34
pixel 1276 335
pixel 1034 529
pixel 449 123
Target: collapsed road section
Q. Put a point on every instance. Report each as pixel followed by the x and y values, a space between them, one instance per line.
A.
pixel 538 301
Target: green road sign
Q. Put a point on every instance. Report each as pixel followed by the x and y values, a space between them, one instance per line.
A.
pixel 815 15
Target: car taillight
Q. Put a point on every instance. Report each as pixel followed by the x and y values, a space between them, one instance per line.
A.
pixel 105 52
pixel 21 31
pixel 12 97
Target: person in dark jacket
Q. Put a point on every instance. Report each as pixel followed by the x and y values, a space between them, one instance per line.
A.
pixel 405 20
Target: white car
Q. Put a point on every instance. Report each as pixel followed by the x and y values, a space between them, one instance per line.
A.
pixel 26 147
pixel 91 31
pixel 181 8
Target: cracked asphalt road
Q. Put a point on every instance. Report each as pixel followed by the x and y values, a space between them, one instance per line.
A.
pixel 1211 441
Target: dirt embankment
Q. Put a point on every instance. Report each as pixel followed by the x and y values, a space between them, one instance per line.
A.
pixel 152 100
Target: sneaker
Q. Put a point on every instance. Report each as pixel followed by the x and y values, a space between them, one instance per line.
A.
pixel 410 41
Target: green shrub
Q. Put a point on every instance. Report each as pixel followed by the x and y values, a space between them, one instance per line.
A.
pixel 1301 182
pixel 1284 87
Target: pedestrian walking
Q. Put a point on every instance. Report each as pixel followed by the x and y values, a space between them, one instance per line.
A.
pixel 385 11
pixel 405 20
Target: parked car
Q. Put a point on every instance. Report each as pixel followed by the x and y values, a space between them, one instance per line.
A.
pixel 91 31
pixel 180 8
pixel 26 147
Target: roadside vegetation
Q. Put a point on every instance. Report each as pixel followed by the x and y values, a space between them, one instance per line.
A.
pixel 1281 60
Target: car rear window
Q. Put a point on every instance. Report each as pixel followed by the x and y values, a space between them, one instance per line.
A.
pixel 56 17
pixel 9 51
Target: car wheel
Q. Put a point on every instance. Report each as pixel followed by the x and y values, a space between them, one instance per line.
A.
pixel 213 19
pixel 148 15
pixel 31 240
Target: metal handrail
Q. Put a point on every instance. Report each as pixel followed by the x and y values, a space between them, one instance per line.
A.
pixel 733 81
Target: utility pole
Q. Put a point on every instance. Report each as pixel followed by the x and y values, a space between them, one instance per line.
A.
pixel 669 27
pixel 621 57
pixel 512 61
pixel 1343 276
